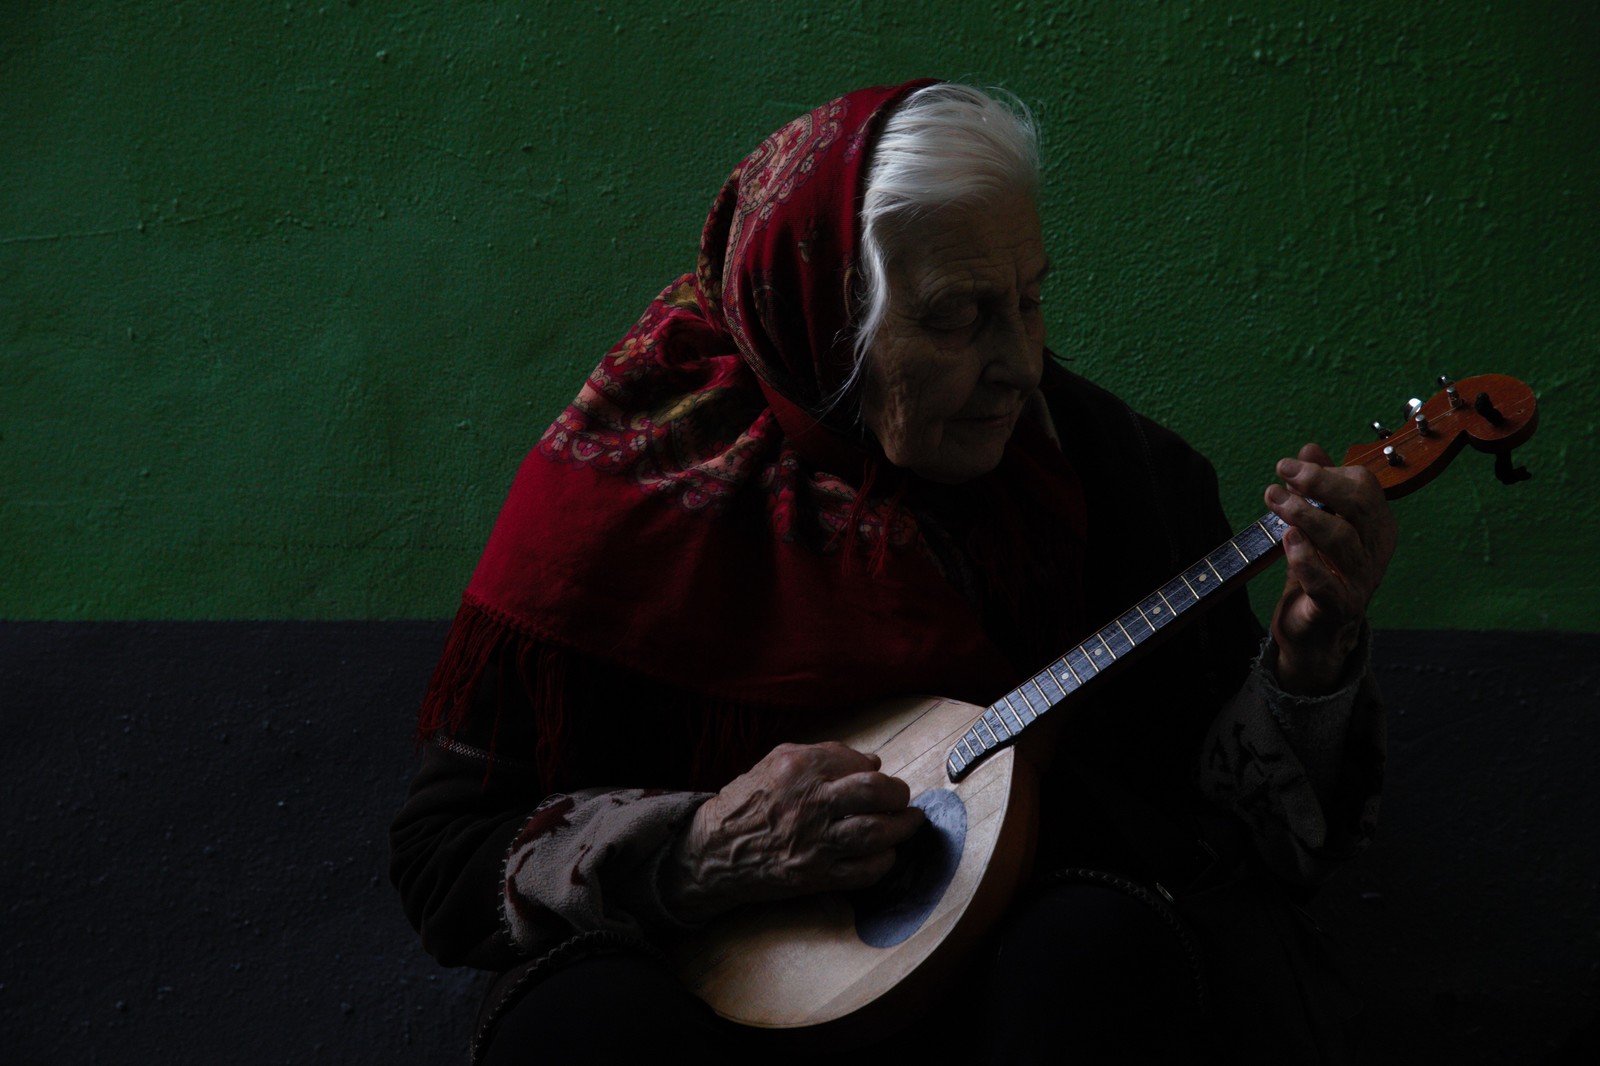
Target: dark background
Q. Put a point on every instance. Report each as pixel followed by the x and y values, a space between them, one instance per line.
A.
pixel 196 817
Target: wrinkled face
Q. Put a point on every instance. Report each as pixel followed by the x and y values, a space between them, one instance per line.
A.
pixel 962 345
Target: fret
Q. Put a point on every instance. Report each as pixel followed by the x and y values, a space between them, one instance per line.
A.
pixel 1077 679
pixel 1178 595
pixel 1125 634
pixel 1061 691
pixel 984 722
pixel 1101 656
pixel 1143 617
pixel 1010 700
pixel 1227 562
pixel 1255 539
pixel 1212 567
pixel 1199 579
pixel 1242 556
pixel 1012 707
pixel 996 724
pixel 1116 641
pixel 1253 543
pixel 967 753
pixel 1080 662
pixel 1165 610
pixel 1005 732
pixel 1185 579
pixel 1044 701
pixel 1261 526
pixel 1136 625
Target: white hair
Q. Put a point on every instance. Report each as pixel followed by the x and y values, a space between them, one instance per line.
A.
pixel 946 144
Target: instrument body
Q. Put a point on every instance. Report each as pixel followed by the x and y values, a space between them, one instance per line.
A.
pixel 816 960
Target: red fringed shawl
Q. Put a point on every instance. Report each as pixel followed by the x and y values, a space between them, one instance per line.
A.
pixel 687 520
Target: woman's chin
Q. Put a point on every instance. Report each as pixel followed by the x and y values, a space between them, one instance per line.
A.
pixel 962 460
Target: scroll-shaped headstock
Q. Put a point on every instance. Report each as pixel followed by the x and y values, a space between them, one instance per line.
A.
pixel 1493 412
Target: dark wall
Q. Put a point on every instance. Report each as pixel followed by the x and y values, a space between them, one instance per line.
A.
pixel 1472 923
pixel 196 839
pixel 195 820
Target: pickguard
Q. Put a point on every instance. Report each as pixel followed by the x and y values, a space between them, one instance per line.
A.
pixel 892 910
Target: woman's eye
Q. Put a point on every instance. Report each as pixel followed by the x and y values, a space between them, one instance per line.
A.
pixel 953 320
pixel 973 315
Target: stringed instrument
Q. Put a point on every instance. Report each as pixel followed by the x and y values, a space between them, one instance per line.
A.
pixel 839 960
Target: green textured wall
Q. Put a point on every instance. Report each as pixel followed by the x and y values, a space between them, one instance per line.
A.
pixel 287 289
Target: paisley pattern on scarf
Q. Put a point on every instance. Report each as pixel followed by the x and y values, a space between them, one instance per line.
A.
pixel 634 418
pixel 782 163
pixel 697 448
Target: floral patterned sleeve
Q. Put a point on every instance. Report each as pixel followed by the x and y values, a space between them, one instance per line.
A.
pixel 591 861
pixel 1304 773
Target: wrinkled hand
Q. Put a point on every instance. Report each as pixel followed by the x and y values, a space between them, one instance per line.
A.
pixel 1337 558
pixel 807 818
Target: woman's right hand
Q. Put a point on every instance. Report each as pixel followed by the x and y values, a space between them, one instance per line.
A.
pixel 807 818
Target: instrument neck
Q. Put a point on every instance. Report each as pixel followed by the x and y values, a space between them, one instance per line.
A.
pixel 1230 564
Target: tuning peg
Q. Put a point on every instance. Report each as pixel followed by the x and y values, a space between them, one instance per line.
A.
pixel 1393 456
pixel 1413 405
pixel 1487 410
pixel 1380 429
pixel 1422 423
pixel 1449 387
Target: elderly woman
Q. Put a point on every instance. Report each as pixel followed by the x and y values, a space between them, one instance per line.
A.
pixel 836 464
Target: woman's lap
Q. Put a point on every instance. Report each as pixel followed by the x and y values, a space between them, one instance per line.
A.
pixel 1079 968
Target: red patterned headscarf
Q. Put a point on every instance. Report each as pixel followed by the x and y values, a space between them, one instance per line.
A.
pixel 686 517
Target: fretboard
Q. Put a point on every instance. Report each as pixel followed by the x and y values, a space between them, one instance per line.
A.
pixel 1115 643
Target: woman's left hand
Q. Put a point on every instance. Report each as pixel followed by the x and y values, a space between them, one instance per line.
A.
pixel 1337 557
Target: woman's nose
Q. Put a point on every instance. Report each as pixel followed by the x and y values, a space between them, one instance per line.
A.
pixel 1016 354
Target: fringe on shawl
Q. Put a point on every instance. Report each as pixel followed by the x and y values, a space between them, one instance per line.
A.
pixel 479 637
pixel 725 736
pixel 475 636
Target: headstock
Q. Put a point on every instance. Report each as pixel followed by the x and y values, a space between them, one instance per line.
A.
pixel 1493 412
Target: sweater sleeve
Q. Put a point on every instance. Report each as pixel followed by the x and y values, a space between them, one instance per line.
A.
pixel 1304 774
pixel 447 849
